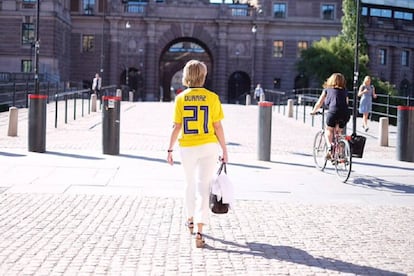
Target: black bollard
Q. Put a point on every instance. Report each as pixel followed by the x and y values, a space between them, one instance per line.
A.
pixel 111 124
pixel 264 136
pixel 37 123
pixel 405 133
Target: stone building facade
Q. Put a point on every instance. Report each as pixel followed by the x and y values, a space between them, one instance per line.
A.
pixel 144 44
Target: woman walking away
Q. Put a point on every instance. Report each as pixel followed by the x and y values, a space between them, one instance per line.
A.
pixel 197 126
pixel 366 92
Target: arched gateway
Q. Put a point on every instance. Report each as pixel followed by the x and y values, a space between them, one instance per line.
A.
pixel 156 62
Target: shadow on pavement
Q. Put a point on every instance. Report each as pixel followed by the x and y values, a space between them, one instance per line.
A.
pixel 382 166
pixel 73 155
pixel 249 166
pixel 301 154
pixel 382 184
pixel 299 256
pixel 146 158
pixel 178 163
pixel 293 164
pixel 8 154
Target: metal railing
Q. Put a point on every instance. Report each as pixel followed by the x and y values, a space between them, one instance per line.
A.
pixel 75 96
pixel 277 97
pixel 16 93
pixel 382 106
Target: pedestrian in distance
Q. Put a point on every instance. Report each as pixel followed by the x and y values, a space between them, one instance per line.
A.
pixel 367 93
pixel 335 97
pixel 97 85
pixel 258 92
pixel 197 127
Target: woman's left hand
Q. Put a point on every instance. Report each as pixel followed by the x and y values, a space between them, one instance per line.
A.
pixel 170 159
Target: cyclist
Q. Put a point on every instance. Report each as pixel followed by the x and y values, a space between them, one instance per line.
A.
pixel 335 96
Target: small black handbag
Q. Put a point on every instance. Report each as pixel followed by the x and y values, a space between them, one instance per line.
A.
pixel 217 206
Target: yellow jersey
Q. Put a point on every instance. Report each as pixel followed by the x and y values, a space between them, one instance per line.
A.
pixel 197 109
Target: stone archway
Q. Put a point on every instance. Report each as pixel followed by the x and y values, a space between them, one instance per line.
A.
pixel 405 88
pixel 173 58
pixel 239 84
pixel 301 81
pixel 135 83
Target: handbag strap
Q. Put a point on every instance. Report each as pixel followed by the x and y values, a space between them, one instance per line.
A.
pixel 221 168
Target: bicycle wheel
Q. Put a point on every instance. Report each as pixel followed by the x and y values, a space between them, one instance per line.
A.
pixel 319 150
pixel 343 160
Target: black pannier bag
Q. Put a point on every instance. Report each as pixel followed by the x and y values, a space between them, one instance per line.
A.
pixel 357 144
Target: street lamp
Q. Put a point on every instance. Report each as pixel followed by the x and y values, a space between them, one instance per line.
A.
pixel 127 27
pixel 37 102
pixel 356 69
pixel 254 30
pixel 102 39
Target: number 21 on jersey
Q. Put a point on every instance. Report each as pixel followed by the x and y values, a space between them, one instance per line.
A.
pixel 198 113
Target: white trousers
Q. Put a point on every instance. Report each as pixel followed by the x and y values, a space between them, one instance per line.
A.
pixel 199 163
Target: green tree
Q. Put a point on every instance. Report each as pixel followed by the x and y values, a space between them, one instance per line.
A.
pixel 328 56
pixel 349 25
pixel 337 54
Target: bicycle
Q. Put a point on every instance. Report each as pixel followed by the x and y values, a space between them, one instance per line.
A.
pixel 341 156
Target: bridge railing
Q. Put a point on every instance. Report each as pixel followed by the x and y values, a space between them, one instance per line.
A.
pixel 382 106
pixel 16 93
pixel 78 97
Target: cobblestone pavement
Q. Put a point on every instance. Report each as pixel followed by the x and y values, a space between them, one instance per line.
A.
pixel 75 211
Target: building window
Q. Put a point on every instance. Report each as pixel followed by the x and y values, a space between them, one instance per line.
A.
pixel 302 45
pixel 136 6
pixel 26 66
pixel 88 6
pixel 279 10
pixel 382 56
pixel 328 11
pixel 278 48
pixel 403 15
pixel 88 43
pixel 239 10
pixel 28 33
pixel 221 1
pixel 276 83
pixel 29 4
pixel 405 58
pixel 364 11
pixel 381 12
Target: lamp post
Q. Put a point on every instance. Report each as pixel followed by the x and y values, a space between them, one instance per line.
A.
pixel 356 70
pixel 102 39
pixel 37 47
pixel 254 30
pixel 37 102
pixel 140 77
pixel 127 27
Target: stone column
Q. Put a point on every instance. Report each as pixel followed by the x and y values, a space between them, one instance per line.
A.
pixel 221 63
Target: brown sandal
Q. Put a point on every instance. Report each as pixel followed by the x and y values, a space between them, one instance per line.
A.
pixel 200 242
pixel 190 226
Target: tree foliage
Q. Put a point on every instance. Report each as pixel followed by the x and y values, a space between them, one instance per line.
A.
pixel 336 54
pixel 328 56
pixel 349 25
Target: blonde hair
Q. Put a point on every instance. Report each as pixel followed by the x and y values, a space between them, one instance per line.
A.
pixel 336 80
pixel 366 79
pixel 194 73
